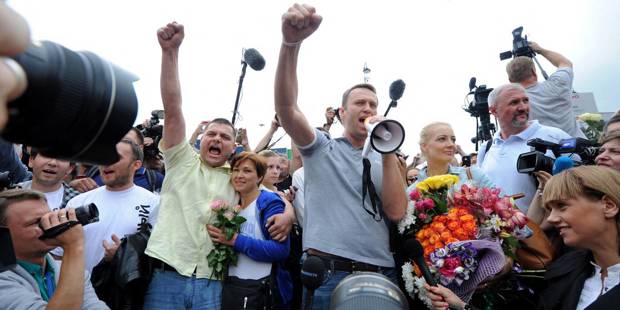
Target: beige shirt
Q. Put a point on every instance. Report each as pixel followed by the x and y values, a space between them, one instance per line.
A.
pixel 180 237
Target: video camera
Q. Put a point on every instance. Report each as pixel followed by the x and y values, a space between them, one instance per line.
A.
pixel 536 160
pixel 520 46
pixel 479 108
pixel 154 130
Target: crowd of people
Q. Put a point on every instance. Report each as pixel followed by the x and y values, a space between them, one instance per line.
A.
pixel 314 203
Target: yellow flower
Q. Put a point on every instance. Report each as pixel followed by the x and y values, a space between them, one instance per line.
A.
pixel 437 182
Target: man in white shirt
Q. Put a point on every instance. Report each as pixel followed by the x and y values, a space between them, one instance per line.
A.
pixel 47 177
pixel 123 207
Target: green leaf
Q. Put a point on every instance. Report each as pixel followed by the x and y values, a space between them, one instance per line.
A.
pixel 229 233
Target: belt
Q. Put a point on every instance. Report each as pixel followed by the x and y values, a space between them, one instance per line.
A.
pixel 349 266
pixel 158 264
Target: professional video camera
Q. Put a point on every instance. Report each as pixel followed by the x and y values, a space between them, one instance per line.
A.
pixel 520 46
pixel 153 130
pixel 537 160
pixel 77 105
pixel 479 108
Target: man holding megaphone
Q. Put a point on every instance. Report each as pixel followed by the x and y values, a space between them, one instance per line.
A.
pixel 337 225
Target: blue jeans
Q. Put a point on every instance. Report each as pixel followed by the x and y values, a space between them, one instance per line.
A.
pixel 170 290
pixel 323 294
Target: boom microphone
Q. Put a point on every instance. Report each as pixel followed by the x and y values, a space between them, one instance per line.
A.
pixel 562 163
pixel 254 59
pixel 312 275
pixel 397 88
pixel 413 249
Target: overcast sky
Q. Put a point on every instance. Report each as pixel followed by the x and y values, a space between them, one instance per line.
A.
pixel 434 46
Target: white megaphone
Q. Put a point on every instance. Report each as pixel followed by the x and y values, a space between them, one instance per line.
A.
pixel 384 137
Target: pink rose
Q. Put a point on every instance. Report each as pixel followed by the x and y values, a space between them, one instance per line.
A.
pixel 429 203
pixel 419 206
pixel 422 216
pixel 217 205
pixel 449 265
pixel 229 215
pixel 414 195
pixel 237 209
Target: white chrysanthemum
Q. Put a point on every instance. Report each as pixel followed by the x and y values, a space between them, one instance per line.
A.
pixel 408 278
pixel 408 219
pixel 422 293
pixel 495 223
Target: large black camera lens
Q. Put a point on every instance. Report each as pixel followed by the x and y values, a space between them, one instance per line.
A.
pixel 77 105
pixel 87 214
pixel 534 161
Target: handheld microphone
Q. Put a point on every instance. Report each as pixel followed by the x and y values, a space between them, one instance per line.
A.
pixel 413 249
pixel 312 275
pixel 254 59
pixel 397 88
pixel 562 163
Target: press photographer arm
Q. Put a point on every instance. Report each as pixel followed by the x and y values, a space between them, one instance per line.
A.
pixel 170 38
pixel 69 292
pixel 554 58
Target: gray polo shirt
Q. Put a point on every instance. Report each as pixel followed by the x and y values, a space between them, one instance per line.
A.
pixel 551 103
pixel 335 221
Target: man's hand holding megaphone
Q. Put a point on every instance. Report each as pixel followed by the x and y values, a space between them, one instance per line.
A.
pixel 384 135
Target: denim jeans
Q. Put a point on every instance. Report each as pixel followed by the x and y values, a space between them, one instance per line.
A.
pixel 323 294
pixel 170 290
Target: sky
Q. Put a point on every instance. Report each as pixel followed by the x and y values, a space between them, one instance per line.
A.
pixel 434 46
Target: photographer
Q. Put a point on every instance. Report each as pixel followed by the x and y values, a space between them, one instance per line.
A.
pixel 551 102
pixel 36 281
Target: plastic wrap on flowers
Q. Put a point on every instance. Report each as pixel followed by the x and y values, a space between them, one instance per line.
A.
pixel 491 260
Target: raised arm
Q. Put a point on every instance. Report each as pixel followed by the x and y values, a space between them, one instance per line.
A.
pixel 264 142
pixel 554 58
pixel 297 24
pixel 170 38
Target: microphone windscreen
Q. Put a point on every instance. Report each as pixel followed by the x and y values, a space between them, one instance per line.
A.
pixel 562 163
pixel 312 272
pixel 472 83
pixel 397 88
pixel 412 248
pixel 254 59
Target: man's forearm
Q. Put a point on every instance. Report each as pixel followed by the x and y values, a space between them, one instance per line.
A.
pixel 69 292
pixel 393 189
pixel 555 58
pixel 264 142
pixel 174 131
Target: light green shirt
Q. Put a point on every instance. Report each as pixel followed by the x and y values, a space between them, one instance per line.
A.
pixel 180 237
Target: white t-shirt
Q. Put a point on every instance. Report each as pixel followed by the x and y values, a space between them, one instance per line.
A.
pixel 120 213
pixel 248 268
pixel 54 199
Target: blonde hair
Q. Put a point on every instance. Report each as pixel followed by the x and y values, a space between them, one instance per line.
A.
pixel 425 133
pixel 591 182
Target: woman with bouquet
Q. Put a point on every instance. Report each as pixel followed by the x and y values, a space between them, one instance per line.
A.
pixel 257 280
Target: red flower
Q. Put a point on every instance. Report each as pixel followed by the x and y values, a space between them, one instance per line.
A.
pixel 449 265
pixel 414 195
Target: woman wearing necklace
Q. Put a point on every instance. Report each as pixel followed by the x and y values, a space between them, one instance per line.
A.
pixel 257 281
pixel 438 145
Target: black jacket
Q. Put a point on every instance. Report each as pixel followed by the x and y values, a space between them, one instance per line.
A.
pixel 565 279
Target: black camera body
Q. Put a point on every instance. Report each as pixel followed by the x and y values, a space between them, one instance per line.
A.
pixel 520 46
pixel 154 131
pixel 479 108
pixel 536 160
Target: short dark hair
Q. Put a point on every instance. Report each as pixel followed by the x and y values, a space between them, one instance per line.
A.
pixel 12 196
pixel 613 119
pixel 223 121
pixel 259 163
pixel 136 151
pixel 346 94
pixel 138 134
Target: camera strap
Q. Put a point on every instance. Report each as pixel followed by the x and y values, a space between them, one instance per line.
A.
pixel 52 232
pixel 369 187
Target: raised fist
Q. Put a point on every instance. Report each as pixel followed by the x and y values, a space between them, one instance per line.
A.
pixel 299 22
pixel 171 36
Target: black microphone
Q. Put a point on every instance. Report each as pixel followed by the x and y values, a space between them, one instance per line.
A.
pixel 312 275
pixel 413 249
pixel 254 59
pixel 397 88
pixel 472 83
